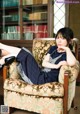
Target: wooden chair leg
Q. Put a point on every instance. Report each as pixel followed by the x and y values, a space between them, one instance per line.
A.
pixel 73 106
pixel 11 110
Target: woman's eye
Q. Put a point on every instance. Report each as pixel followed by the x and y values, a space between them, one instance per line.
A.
pixel 57 38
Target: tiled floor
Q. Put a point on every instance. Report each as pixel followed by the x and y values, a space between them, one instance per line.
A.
pixel 72 111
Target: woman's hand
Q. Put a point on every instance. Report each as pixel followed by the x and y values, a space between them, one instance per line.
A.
pixel 64 48
pixel 56 66
pixel 62 63
pixel 70 58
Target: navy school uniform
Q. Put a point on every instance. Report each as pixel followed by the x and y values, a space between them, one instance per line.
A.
pixel 32 73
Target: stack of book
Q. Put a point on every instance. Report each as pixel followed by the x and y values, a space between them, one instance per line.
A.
pixel 11 33
pixel 9 3
pixel 33 2
pixel 38 16
pixel 1 3
pixel 37 31
pixel 15 17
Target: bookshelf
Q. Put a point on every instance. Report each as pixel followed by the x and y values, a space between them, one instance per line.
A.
pixel 26 19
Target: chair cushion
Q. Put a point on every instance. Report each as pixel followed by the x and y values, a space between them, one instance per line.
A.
pixel 40 48
pixel 53 89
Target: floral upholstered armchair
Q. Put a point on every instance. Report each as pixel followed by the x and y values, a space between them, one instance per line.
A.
pixel 49 98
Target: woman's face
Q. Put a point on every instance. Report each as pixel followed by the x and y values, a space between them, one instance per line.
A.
pixel 60 41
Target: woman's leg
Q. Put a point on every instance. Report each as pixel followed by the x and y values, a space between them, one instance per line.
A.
pixel 29 68
pixel 9 49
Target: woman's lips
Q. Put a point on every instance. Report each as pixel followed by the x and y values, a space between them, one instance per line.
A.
pixel 59 44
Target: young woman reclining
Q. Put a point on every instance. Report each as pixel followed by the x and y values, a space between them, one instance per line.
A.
pixel 57 56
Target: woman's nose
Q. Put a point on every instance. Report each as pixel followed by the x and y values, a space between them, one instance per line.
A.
pixel 59 39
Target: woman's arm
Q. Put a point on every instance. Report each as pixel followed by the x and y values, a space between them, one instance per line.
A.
pixel 71 60
pixel 47 64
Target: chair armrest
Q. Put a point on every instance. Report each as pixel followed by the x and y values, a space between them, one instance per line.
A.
pixel 11 71
pixel 5 70
pixel 73 72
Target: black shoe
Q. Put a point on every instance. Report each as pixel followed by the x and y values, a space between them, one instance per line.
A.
pixel 1 66
pixel 0 53
pixel 9 60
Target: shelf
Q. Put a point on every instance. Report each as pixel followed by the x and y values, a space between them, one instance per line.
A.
pixel 34 6
pixel 10 23
pixel 35 22
pixel 14 8
pixel 41 12
pixel 25 8
pixel 25 23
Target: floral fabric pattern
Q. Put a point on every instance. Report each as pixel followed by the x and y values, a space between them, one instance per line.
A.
pixel 42 105
pixel 13 72
pixel 73 72
pixel 40 49
pixel 53 89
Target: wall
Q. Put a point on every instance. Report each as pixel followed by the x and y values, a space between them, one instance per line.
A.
pixel 74 19
pixel 74 23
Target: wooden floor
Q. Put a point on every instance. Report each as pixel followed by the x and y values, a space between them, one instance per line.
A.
pixel 72 111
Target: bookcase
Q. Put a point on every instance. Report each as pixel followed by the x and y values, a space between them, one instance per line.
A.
pixel 25 20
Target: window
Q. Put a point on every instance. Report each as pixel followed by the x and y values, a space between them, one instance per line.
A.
pixel 59 15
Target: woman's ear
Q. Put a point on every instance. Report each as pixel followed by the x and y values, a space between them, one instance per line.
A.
pixel 71 41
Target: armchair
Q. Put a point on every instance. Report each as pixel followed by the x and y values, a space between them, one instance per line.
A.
pixel 49 98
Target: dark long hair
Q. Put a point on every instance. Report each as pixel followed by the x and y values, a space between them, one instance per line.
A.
pixel 67 33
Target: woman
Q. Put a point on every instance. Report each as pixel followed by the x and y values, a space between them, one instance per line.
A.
pixel 56 57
